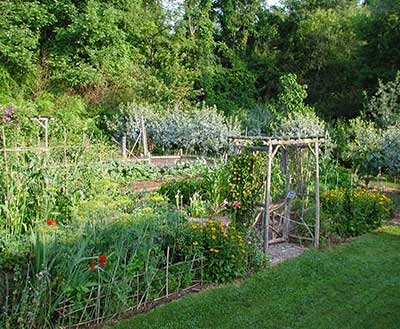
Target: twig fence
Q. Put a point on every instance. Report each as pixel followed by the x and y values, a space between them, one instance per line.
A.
pixel 106 301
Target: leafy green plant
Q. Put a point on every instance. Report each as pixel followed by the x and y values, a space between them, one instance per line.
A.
pixel 351 212
pixel 223 247
pixel 185 187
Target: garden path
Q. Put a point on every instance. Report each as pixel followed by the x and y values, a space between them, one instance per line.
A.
pixel 394 193
pixel 396 219
pixel 282 251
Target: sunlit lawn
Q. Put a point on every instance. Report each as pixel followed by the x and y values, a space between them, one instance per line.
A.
pixel 356 285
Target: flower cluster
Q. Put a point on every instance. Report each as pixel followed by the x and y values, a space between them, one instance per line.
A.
pixel 220 243
pixel 8 114
pixel 51 221
pixel 225 203
pixel 102 262
pixel 350 212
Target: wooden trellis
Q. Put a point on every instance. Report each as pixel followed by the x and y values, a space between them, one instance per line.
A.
pixel 277 219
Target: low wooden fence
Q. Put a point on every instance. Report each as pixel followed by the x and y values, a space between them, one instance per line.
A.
pixel 108 301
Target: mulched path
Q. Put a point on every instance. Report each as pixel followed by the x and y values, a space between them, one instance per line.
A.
pixel 282 251
pixel 396 219
pixel 146 186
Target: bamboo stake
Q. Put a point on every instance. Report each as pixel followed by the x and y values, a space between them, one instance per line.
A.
pixel 267 199
pixel 123 144
pixel 317 201
pixel 4 149
pixel 46 135
pixel 65 146
pixel 144 135
pixel 167 274
pixel 286 210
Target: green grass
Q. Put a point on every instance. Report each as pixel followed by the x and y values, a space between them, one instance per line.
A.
pixel 356 285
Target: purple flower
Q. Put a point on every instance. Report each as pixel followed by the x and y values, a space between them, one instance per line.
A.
pixel 236 204
pixel 9 111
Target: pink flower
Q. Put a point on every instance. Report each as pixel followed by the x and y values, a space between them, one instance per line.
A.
pixel 224 204
pixel 9 111
pixel 236 204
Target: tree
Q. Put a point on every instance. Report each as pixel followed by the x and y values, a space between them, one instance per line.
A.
pixel 384 106
pixel 379 56
pixel 20 26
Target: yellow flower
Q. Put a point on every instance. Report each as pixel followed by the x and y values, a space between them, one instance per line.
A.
pixel 213 229
pixel 201 230
pixel 214 237
pixel 194 227
pixel 195 243
pixel 225 235
pixel 243 251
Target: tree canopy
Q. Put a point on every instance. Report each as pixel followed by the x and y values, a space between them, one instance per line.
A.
pixel 227 53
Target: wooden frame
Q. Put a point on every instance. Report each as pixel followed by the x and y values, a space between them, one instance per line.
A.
pixel 272 145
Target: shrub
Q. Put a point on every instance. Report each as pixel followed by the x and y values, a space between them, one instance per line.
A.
pixel 384 106
pixel 301 124
pixel 351 212
pixel 222 246
pixel 184 188
pixel 365 151
pixel 200 129
pixel 390 146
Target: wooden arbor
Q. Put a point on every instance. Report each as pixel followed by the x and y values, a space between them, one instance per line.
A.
pixel 301 153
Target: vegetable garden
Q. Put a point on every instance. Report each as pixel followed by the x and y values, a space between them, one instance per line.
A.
pixel 79 246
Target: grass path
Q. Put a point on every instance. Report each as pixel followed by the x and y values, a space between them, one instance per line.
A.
pixel 356 285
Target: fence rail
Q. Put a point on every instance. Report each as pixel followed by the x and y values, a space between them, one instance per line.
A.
pixel 146 290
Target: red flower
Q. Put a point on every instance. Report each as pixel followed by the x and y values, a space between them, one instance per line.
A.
pixel 264 264
pixel 51 221
pixel 101 264
pixel 102 258
pixel 92 267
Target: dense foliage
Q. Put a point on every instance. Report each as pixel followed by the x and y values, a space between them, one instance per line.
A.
pixel 227 53
pixel 351 212
pixel 76 243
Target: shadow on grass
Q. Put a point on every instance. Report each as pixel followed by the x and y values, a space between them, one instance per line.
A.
pixel 353 286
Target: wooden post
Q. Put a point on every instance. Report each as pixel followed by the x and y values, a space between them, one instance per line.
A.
pixel 123 144
pixel 167 274
pixel 267 199
pixel 4 149
pixel 46 134
pixel 286 213
pixel 144 137
pixel 317 201
pixel 65 146
pixel 38 142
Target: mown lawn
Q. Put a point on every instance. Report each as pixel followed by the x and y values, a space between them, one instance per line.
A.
pixel 356 285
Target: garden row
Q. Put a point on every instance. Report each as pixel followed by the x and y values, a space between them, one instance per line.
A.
pixel 79 246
